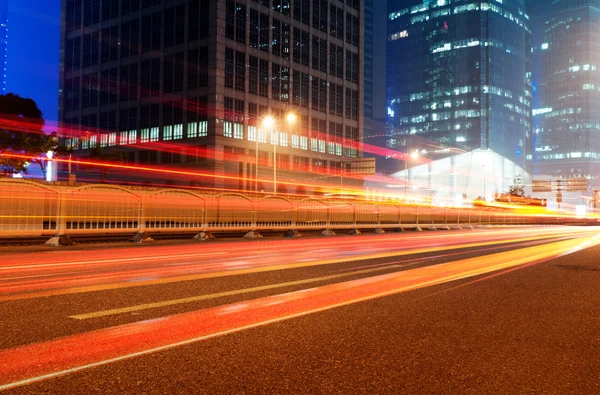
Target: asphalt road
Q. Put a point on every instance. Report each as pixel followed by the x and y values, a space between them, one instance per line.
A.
pixel 506 310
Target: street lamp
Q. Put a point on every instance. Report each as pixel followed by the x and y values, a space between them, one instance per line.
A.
pixel 268 123
pixel 484 183
pixel 413 155
pixel 291 120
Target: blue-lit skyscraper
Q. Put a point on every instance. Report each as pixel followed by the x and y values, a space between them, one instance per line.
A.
pixel 566 58
pixel 3 41
pixel 459 79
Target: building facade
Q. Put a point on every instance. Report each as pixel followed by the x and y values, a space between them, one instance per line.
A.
pixel 188 83
pixel 566 58
pixel 459 79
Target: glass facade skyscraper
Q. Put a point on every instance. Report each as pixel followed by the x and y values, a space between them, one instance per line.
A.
pixel 566 58
pixel 202 75
pixel 459 78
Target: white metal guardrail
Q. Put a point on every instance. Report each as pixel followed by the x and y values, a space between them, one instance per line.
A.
pixel 33 209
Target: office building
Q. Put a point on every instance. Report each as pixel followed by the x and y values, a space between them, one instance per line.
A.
pixel 459 81
pixel 566 58
pixel 188 83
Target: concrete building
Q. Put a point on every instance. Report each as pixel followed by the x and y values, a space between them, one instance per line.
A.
pixel 566 59
pixel 188 83
pixel 459 81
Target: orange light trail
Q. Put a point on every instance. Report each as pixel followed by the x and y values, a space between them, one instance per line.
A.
pixel 24 277
pixel 35 362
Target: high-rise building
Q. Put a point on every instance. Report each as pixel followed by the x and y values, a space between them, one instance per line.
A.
pixel 3 41
pixel 566 74
pixel 374 70
pixel 198 77
pixel 459 81
pixel 368 69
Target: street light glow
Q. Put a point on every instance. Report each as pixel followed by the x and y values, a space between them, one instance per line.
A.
pixel 268 122
pixel 291 118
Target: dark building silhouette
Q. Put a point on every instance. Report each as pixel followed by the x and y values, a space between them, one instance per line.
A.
pixel 566 59
pixel 375 80
pixel 196 78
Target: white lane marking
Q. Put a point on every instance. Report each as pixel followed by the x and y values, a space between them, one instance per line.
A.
pixel 31 380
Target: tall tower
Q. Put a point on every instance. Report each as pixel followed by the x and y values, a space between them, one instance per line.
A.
pixel 458 78
pixel 201 75
pixel 566 71
pixel 3 41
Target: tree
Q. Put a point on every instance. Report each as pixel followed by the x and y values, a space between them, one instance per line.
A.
pixel 516 190
pixel 20 134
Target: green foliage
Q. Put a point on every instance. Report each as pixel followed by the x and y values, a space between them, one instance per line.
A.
pixel 516 190
pixel 21 134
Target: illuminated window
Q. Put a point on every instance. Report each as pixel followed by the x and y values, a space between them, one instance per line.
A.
pixel 178 132
pixel 227 129
pixel 154 133
pixel 304 143
pixel 145 137
pixel 252 133
pixel 192 130
pixel 168 132
pixel 238 131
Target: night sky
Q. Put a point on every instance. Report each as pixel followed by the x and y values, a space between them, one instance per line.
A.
pixel 33 53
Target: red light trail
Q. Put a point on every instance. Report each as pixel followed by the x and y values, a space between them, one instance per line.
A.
pixel 34 362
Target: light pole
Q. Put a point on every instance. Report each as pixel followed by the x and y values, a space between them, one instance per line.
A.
pixel 268 124
pixel 291 119
pixel 413 155
pixel 484 184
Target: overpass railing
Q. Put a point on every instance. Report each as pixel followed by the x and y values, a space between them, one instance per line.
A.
pixel 29 208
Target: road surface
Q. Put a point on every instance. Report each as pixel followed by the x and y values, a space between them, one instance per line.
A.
pixel 507 309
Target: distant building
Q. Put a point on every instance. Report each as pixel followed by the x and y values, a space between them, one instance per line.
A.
pixel 3 41
pixel 459 80
pixel 566 74
pixel 187 83
pixel 375 80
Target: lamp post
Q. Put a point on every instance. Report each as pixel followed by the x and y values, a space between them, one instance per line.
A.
pixel 268 124
pixel 413 155
pixel 484 183
pixel 291 120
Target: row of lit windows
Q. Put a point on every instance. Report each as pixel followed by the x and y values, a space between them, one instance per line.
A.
pixel 468 43
pixel 458 10
pixel 572 155
pixel 560 113
pixel 129 137
pixel 283 139
pixel 456 91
